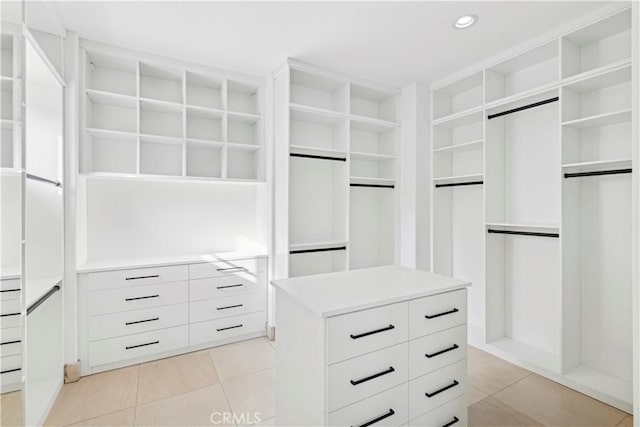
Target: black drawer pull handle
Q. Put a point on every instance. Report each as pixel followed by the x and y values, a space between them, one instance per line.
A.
pixel 376 419
pixel 11 290
pixel 142 345
pixel 146 297
pixel 438 353
pixel 230 286
pixel 232 269
pixel 444 313
pixel 229 306
pixel 10 370
pixel 453 384
pixel 9 314
pixel 374 376
pixel 452 422
pixel 10 342
pixel 142 277
pixel 377 331
pixel 230 327
pixel 142 321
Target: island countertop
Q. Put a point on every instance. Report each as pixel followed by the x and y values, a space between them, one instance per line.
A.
pixel 333 294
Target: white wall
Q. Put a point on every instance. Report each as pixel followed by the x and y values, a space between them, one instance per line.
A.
pixel 135 219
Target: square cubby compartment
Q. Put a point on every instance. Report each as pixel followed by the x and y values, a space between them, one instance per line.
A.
pixel 242 129
pixel 312 129
pixel 243 163
pixel 109 152
pixel 204 91
pixel 458 96
pixel 110 112
pixel 109 73
pixel 319 92
pixel 161 83
pixel 370 138
pixel 204 159
pixel 160 119
pixel 204 124
pixel 373 103
pixel 243 97
pixel 159 156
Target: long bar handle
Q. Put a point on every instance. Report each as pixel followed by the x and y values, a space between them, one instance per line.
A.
pixel 377 331
pixel 444 313
pixel 230 327
pixel 230 286
pixel 372 377
pixel 445 388
pixel 387 414
pixel 229 306
pixel 438 353
pixel 153 276
pixel 452 422
pixel 45 180
pixel 142 321
pixel 129 347
pixel 232 269
pixel 144 297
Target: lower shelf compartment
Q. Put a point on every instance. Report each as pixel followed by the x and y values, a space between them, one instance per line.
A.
pixel 602 383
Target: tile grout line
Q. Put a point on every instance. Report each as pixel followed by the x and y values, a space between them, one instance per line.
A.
pixel 135 408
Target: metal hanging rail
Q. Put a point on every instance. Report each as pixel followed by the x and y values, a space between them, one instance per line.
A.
pixel 524 107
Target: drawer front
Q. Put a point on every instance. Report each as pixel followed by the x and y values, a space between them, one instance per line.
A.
pixel 358 378
pixel 137 297
pixel 9 379
pixel 226 286
pixel 9 285
pixel 10 320
pixel 432 390
pixel 138 276
pixel 137 321
pixel 215 330
pixel 13 294
pixel 10 363
pixel 11 341
pixel 10 306
pixel 435 313
pixel 241 268
pixel 200 311
pixel 389 408
pixel 137 345
pixel 364 331
pixel 452 414
pixel 435 351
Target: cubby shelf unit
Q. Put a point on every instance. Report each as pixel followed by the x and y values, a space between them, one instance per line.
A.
pixel 531 191
pixel 10 107
pixel 336 145
pixel 153 119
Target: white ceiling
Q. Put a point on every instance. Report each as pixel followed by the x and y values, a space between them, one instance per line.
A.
pixel 389 42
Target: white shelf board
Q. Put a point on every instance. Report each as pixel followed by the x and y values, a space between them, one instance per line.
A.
pixel 112 134
pixel 358 155
pixel 527 353
pixel 523 98
pixel 458 178
pixel 459 148
pixel 161 139
pixel 204 142
pixel 315 115
pixel 243 117
pixel 160 106
pixel 600 78
pixel 531 227
pixel 602 382
pixel 462 118
pixel 112 98
pixel 243 147
pixel 11 272
pixel 167 178
pixel 317 151
pixel 370 180
pixel 372 125
pixel 600 120
pixel 597 165
pixel 318 244
pixel 205 112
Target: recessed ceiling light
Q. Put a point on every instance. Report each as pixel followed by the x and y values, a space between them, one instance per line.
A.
pixel 465 21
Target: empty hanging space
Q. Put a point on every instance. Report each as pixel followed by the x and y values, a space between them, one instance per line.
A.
pixel 317 261
pixel 458 97
pixel 373 104
pixel 161 83
pixel 317 91
pixel 204 159
pixel 531 70
pixel 372 219
pixel 112 74
pixel 6 106
pixel 599 45
pixel 204 91
pixel 597 267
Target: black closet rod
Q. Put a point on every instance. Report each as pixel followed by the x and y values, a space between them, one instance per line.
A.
pixel 373 185
pixel 597 173
pixel 313 156
pixel 45 180
pixel 307 251
pixel 523 233
pixel 42 299
pixel 524 107
pixel 460 184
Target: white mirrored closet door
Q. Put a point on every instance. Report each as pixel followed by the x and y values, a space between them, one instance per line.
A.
pixel 43 232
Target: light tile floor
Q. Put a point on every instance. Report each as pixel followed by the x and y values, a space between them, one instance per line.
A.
pixel 239 378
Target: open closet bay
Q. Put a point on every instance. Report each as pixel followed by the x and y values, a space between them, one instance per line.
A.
pixel 532 203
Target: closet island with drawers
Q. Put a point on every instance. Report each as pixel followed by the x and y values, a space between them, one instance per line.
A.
pixel 378 345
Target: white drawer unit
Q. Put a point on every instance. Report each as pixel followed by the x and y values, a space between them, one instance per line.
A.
pixel 200 311
pixel 135 315
pixel 7 285
pixel 10 320
pixel 227 328
pixel 10 341
pixel 364 352
pixel 137 297
pixel 138 276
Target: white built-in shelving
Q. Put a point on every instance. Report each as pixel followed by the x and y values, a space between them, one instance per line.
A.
pixel 153 119
pixel 532 204
pixel 337 140
pixel 10 95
